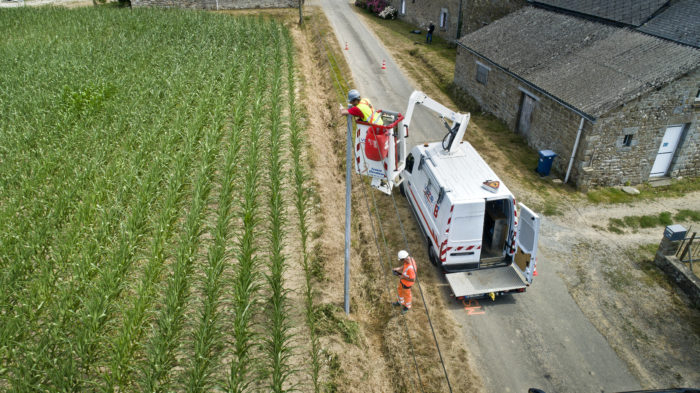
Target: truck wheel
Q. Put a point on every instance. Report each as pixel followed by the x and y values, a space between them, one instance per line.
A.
pixel 431 255
pixel 402 190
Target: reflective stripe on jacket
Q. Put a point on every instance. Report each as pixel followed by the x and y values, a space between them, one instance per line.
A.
pixel 368 113
pixel 409 270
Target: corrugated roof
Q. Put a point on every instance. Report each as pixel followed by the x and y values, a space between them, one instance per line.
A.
pixel 629 12
pixel 679 22
pixel 590 66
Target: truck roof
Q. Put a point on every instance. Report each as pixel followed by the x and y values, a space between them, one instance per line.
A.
pixel 463 172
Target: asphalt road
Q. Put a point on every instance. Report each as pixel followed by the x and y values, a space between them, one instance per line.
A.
pixel 536 339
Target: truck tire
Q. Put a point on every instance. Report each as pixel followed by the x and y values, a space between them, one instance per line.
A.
pixel 402 190
pixel 431 255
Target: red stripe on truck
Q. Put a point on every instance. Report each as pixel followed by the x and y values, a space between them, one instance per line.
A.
pixel 423 216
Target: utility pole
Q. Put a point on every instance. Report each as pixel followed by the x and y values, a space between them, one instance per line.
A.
pixel 348 188
pixel 301 14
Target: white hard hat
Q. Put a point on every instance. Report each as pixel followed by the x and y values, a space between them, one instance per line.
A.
pixel 403 254
pixel 353 95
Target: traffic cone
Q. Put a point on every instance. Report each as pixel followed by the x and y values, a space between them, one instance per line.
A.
pixel 384 64
pixel 346 46
pixel 534 272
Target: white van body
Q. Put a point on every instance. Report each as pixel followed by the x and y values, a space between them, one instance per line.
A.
pixel 473 230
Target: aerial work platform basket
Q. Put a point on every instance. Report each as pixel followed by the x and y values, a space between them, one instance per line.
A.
pixel 378 149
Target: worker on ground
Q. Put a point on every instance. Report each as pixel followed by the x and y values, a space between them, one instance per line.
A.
pixel 429 36
pixel 407 272
pixel 362 109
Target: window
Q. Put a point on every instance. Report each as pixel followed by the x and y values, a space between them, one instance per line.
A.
pixel 627 141
pixel 403 7
pixel 443 18
pixel 409 163
pixel 482 73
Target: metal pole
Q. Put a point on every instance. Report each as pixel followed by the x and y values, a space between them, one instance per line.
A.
pixel 573 152
pixel 348 187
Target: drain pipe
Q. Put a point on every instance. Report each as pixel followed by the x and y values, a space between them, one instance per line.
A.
pixel 573 153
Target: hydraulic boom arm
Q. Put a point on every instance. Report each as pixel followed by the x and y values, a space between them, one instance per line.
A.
pixel 456 129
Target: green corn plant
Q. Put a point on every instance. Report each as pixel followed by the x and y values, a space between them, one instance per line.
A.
pixel 207 337
pixel 301 202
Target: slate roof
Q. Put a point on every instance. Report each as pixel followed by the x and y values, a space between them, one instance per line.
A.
pixel 629 12
pixel 679 22
pixel 590 66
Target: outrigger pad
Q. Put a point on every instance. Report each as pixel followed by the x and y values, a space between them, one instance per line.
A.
pixel 381 185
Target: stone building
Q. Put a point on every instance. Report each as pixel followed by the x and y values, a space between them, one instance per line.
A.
pixel 454 18
pixel 615 104
pixel 216 4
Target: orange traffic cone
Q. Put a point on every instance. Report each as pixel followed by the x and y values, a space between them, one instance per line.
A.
pixel 346 46
pixel 384 64
pixel 534 273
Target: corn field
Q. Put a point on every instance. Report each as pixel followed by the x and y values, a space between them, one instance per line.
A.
pixel 151 172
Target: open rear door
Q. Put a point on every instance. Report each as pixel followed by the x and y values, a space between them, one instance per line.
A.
pixel 526 241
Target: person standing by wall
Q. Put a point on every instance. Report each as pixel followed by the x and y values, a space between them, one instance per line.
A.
pixel 429 36
pixel 407 272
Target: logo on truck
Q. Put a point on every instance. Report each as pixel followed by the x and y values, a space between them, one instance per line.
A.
pixel 428 195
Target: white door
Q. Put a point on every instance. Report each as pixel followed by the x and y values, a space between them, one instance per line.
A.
pixel 666 151
pixel 526 241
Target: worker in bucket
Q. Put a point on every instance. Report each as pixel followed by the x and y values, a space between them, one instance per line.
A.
pixel 361 108
pixel 407 272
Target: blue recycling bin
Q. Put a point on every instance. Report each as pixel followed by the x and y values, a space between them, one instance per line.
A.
pixel 544 165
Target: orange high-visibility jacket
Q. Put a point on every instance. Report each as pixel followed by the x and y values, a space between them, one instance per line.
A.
pixel 409 270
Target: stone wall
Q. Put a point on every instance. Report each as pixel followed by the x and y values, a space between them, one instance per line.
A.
pixel 610 162
pixel 216 5
pixel 677 271
pixel 475 14
pixel 602 158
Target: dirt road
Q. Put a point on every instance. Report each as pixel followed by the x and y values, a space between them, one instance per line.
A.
pixel 538 339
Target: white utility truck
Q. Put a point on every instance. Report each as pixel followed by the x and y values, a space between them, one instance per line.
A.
pixel 471 221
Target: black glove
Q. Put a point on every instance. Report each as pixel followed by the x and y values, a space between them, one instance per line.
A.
pixel 394 272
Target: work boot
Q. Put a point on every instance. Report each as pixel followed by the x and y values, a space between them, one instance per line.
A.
pixel 395 304
pixel 404 310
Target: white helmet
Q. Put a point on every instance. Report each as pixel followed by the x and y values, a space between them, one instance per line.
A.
pixel 403 254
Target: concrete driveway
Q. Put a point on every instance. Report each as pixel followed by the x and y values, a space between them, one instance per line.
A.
pixel 536 339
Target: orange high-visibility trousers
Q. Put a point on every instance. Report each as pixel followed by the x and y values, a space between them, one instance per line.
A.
pixel 405 297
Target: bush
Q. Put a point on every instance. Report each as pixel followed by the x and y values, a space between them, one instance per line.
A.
pixel 377 6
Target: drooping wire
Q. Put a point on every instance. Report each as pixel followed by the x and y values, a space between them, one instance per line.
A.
pixel 387 287
pixel 385 270
pixel 420 290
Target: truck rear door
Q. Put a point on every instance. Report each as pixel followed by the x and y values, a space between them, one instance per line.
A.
pixel 526 242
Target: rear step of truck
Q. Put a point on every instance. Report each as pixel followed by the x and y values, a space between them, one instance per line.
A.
pixel 482 282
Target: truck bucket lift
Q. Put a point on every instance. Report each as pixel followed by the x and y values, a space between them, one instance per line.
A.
pixel 380 151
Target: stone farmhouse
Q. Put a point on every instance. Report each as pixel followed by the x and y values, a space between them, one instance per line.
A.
pixel 454 18
pixel 595 83
pixel 216 4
